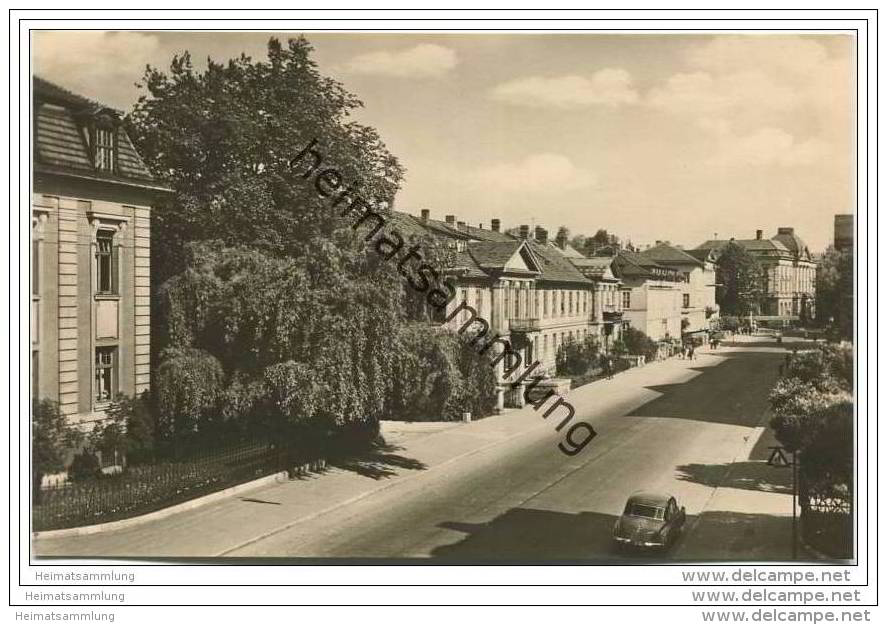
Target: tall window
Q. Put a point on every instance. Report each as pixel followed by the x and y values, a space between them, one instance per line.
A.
pixel 563 307
pixel 105 373
pixel 686 300
pixel 35 267
pixel 626 300
pixel 106 263
pixel 104 149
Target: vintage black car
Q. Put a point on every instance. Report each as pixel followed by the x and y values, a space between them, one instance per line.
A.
pixel 650 521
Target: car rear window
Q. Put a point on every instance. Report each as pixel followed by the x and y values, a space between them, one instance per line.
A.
pixel 650 512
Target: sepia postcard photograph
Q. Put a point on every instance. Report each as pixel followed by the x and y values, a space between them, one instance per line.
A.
pixel 424 297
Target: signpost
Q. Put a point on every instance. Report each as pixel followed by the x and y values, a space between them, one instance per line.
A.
pixel 778 459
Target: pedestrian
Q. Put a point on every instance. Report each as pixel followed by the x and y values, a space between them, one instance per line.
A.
pixel 608 367
pixel 692 352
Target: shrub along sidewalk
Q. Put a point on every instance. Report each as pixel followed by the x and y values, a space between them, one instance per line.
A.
pixel 217 527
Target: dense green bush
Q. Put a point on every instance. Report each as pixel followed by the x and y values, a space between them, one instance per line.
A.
pixel 129 430
pixel 52 438
pixel 813 412
pixel 634 342
pixel 439 375
pixel 575 358
pixel 85 466
pixel 187 385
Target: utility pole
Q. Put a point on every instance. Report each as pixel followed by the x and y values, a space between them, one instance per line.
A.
pixel 796 457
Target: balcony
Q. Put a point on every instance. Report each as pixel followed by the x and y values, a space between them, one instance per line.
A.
pixel 524 326
pixel 611 313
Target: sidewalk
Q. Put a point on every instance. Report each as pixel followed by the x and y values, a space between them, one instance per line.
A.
pixel 218 527
pixel 413 449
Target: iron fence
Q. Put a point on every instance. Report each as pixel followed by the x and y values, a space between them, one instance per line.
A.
pixel 163 482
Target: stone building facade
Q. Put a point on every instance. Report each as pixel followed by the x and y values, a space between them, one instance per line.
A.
pixel 789 273
pixel 90 256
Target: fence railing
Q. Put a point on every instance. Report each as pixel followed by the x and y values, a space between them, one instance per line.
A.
pixel 161 483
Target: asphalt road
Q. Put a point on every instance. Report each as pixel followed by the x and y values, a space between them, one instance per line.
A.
pixel 692 431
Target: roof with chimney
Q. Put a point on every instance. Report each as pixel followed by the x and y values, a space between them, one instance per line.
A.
pixel 555 266
pixel 64 123
pixel 666 254
pixel 752 245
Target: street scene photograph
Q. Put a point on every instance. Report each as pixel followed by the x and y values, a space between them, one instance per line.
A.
pixel 444 298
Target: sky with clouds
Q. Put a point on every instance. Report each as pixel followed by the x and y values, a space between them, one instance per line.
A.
pixel 651 136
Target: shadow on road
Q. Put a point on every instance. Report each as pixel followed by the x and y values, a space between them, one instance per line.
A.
pixel 745 475
pixel 523 534
pixel 733 392
pixel 531 536
pixel 379 462
pixel 736 536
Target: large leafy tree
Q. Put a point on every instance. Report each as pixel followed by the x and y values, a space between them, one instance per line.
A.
pixel 834 291
pixel 741 281
pixel 250 263
pixel 223 138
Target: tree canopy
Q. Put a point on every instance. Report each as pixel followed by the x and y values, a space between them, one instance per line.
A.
pixel 834 291
pixel 741 281
pixel 269 302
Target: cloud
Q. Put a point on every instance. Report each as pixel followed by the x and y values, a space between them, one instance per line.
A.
pixel 695 93
pixel 85 61
pixel 426 60
pixel 609 86
pixel 536 173
pixel 768 147
pixel 756 96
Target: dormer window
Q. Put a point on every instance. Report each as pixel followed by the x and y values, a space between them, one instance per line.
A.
pixel 104 147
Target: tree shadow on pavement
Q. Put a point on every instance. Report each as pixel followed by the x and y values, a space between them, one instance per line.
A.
pixel 524 535
pixel 378 462
pixel 529 535
pixel 736 537
pixel 733 393
pixel 745 475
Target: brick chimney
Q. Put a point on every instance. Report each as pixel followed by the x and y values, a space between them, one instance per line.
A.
pixel 425 214
pixel 460 225
pixel 759 234
pixel 561 240
pixel 495 224
pixel 451 220
pixel 785 230
pixel 541 235
pixel 524 231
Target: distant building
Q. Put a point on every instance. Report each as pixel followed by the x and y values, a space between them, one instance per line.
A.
pixel 522 284
pixel 789 273
pixel 651 294
pixel 90 256
pixel 844 232
pixel 697 267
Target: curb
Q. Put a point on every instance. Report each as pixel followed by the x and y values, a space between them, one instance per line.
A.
pixel 163 512
pixel 373 491
pixel 279 477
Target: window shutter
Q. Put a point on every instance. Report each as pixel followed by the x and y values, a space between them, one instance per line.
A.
pixel 115 270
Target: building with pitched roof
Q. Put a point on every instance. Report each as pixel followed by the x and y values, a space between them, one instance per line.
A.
pixel 698 304
pixel 528 292
pixel 789 273
pixel 651 293
pixel 90 256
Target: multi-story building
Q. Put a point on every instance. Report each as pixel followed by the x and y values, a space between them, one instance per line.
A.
pixel 652 295
pixel 697 267
pixel 525 289
pixel 606 314
pixel 789 273
pixel 90 256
